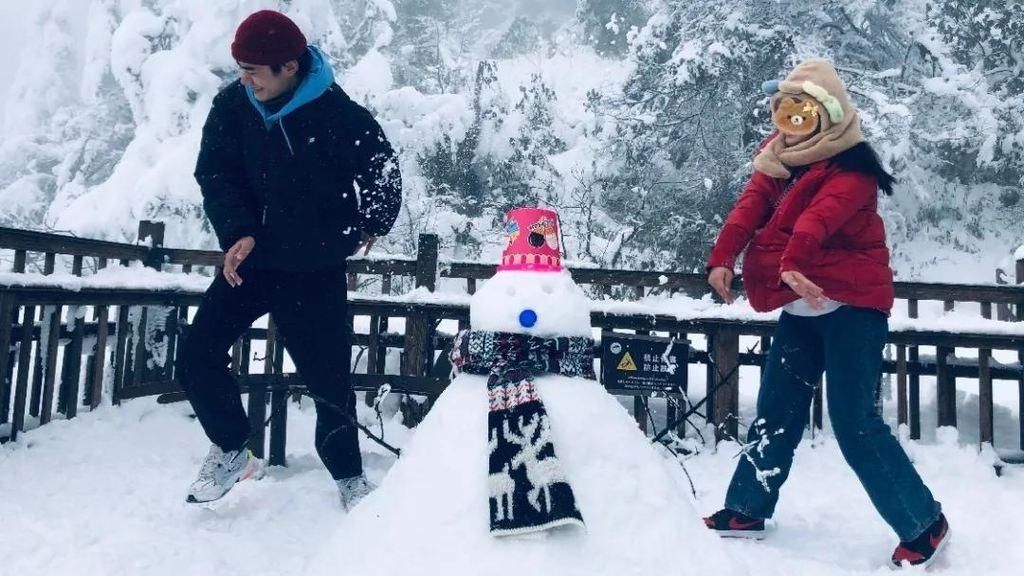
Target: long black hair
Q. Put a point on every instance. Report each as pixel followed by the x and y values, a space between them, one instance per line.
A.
pixel 862 158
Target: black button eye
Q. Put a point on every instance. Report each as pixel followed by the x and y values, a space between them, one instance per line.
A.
pixel 536 239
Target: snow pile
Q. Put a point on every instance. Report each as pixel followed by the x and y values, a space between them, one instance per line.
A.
pixel 433 504
pixel 104 494
pixel 825 523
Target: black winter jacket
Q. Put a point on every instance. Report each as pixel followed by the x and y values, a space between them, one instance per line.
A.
pixel 304 187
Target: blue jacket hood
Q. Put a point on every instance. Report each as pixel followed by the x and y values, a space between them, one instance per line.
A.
pixel 316 82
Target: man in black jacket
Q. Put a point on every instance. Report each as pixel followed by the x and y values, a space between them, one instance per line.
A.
pixel 295 177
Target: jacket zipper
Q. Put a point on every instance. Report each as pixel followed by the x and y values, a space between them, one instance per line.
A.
pixel 287 140
pixel 787 189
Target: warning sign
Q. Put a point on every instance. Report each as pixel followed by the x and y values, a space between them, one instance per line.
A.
pixel 627 363
pixel 631 363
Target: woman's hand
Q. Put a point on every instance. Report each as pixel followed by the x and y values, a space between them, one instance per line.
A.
pixel 720 278
pixel 809 291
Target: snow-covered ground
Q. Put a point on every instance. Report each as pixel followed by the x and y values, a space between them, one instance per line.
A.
pixel 633 506
pixel 104 494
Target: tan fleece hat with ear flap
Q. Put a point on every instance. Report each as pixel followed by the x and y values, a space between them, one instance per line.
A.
pixel 815 80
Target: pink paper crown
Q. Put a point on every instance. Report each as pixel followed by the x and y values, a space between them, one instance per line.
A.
pixel 533 241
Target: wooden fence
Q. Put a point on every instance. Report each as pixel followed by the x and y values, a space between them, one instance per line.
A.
pixel 87 344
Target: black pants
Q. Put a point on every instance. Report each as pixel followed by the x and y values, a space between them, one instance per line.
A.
pixel 309 310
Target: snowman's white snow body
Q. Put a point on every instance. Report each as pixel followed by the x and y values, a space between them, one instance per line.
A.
pixel 430 515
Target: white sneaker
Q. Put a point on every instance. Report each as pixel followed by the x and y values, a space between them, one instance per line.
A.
pixel 221 471
pixel 352 490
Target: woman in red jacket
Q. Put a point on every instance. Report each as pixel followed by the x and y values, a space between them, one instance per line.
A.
pixel 815 246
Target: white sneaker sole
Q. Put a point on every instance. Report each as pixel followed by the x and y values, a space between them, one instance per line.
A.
pixel 742 534
pixel 255 470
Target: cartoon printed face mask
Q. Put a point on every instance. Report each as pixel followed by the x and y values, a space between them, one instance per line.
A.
pixel 796 117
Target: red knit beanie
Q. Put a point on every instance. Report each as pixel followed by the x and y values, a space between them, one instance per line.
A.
pixel 267 37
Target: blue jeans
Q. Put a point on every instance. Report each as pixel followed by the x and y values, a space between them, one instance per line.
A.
pixel 847 345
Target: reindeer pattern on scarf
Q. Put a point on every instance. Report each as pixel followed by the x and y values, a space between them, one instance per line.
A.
pixel 527 484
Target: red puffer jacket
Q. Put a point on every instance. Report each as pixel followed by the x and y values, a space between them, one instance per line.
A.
pixel 826 227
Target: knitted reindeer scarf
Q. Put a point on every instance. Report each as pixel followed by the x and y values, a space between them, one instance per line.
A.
pixel 527 485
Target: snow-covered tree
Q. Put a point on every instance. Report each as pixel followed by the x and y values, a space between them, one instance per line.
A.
pixel 607 24
pixel 637 118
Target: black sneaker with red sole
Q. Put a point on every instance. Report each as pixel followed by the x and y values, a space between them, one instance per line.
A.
pixel 731 524
pixel 923 550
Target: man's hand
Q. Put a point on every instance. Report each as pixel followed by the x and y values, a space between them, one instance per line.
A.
pixel 809 291
pixel 365 243
pixel 234 257
pixel 720 278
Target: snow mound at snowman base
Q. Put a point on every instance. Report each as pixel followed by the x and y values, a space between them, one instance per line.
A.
pixel 430 514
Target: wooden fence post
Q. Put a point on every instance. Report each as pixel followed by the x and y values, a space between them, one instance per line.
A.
pixel 986 429
pixel 122 328
pixel 278 410
pixel 1020 276
pixel 35 399
pixel 24 363
pixel 419 350
pixel 417 326
pixel 914 377
pixel 153 231
pixel 71 370
pixel 426 261
pixel 158 325
pixel 258 394
pixel 49 370
pixel 901 385
pixel 1004 311
pixel 945 381
pixel 725 350
pixel 1020 352
pixel 7 319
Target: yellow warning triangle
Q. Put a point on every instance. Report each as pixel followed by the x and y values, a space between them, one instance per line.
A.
pixel 627 363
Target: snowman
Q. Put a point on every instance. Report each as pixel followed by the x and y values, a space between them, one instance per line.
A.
pixel 525 465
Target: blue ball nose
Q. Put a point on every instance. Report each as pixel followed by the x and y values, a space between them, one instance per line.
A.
pixel 527 318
